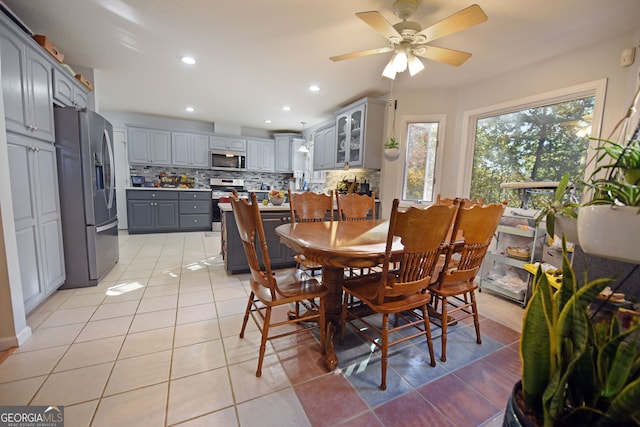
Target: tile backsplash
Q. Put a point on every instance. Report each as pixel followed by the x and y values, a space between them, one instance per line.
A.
pixel 253 179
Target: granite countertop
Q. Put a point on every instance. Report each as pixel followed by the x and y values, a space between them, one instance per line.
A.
pixel 168 188
pixel 226 207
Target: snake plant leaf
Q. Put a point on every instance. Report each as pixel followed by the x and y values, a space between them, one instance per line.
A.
pixel 571 332
pixel 538 356
pixel 620 368
pixel 569 282
pixel 624 407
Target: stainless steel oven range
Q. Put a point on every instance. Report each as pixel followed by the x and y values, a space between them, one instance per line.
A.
pixel 222 187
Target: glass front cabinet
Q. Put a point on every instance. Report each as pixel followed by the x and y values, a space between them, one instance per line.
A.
pixel 350 134
pixel 359 129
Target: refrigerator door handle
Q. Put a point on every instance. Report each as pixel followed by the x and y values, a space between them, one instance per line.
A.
pixel 112 175
pixel 105 227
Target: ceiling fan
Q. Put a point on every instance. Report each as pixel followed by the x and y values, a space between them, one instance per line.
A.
pixel 408 40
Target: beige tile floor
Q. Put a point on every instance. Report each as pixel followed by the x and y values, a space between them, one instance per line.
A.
pixel 156 344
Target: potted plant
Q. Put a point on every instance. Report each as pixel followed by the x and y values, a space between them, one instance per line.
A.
pixel 575 371
pixel 608 224
pixel 562 211
pixel 391 147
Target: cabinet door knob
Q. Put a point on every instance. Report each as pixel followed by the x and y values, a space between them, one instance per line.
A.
pixel 195 195
pixel 195 220
pixel 195 207
pixel 153 195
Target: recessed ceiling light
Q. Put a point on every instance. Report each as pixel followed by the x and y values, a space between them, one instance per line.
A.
pixel 314 88
pixel 190 109
pixel 188 60
pixel 286 108
pixel 267 121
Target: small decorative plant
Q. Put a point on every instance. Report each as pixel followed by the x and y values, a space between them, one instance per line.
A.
pixel 559 205
pixel 577 371
pixel 621 185
pixel 391 142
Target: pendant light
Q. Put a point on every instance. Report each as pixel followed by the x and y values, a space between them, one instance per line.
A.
pixel 303 148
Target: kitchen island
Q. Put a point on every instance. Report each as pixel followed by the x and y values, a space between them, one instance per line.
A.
pixel 157 210
pixel 233 254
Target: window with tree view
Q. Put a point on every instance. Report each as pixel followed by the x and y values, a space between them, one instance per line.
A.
pixel 419 178
pixel 533 144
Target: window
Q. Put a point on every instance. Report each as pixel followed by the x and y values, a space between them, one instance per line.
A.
pixel 531 141
pixel 422 138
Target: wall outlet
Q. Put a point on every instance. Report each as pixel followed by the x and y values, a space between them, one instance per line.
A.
pixel 627 57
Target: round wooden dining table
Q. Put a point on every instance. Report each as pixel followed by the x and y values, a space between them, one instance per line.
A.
pixel 337 245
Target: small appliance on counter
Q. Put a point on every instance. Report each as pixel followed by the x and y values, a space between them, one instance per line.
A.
pixel 137 181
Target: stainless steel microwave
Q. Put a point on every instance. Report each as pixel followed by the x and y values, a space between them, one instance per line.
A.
pixel 228 160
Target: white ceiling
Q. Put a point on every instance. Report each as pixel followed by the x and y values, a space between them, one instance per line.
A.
pixel 254 56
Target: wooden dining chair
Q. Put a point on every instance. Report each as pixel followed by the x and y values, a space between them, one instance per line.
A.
pixel 399 292
pixel 354 207
pixel 309 207
pixel 268 291
pixel 454 290
pixel 468 202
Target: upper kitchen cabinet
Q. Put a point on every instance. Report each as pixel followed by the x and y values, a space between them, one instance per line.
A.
pixel 189 149
pixel 324 148
pixel 149 146
pixel 26 86
pixel 261 155
pixel 359 128
pixel 283 151
pixel 222 142
pixel 67 91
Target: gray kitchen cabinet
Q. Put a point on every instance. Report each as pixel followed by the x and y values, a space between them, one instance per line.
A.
pixel 235 260
pixel 359 128
pixel 152 211
pixel 283 154
pixel 149 146
pixel 261 155
pixel 223 142
pixel 324 143
pixel 36 210
pixel 26 85
pixel 189 149
pixel 67 91
pixel 195 210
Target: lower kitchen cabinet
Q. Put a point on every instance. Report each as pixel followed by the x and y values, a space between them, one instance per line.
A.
pixel 152 211
pixel 195 210
pixel 36 211
pixel 235 260
pixel 155 211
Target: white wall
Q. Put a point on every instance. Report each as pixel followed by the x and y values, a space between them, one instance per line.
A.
pixel 593 63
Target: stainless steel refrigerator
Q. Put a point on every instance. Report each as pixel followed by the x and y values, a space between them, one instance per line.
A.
pixel 86 177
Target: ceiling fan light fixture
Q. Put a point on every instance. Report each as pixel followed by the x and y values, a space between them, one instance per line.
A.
pixel 389 71
pixel 415 65
pixel 400 61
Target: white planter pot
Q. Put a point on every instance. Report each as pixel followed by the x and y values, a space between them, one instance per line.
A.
pixel 391 153
pixel 610 232
pixel 569 227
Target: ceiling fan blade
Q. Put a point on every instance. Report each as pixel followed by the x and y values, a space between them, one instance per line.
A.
pixel 465 18
pixel 379 23
pixel 441 54
pixel 361 53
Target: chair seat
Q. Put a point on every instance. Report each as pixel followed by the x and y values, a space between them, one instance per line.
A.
pixel 453 289
pixel 292 288
pixel 364 288
pixel 300 259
